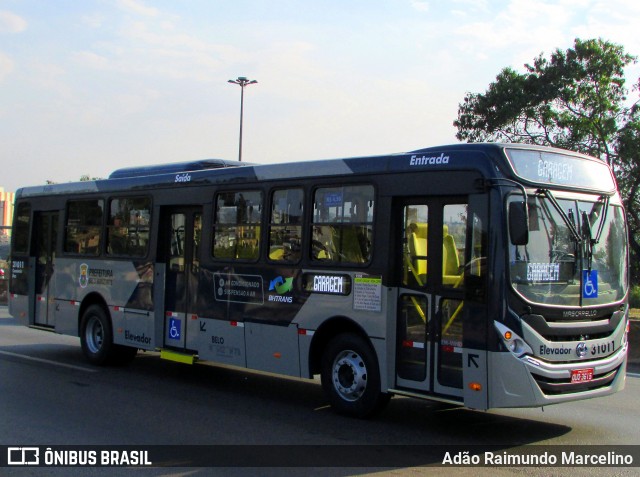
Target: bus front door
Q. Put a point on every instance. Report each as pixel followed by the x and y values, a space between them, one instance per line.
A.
pixel 429 346
pixel 182 229
pixel 46 234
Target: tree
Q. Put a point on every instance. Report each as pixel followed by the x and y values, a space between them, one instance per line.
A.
pixel 628 174
pixel 575 99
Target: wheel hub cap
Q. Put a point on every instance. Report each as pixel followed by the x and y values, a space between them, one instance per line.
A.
pixel 349 375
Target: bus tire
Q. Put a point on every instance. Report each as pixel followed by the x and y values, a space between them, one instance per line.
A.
pixel 351 377
pixel 96 338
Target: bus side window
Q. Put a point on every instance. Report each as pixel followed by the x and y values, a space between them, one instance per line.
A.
pixel 21 226
pixel 83 228
pixel 128 229
pixel 342 228
pixel 236 228
pixel 285 226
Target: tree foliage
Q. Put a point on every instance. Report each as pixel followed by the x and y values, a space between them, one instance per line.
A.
pixel 575 99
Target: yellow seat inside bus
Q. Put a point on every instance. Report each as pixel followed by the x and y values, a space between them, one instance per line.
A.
pixel 418 251
pixel 350 244
pixel 276 253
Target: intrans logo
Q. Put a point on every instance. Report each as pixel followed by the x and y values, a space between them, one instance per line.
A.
pixel 281 286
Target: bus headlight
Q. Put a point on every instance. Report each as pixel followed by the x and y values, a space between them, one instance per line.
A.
pixel 516 346
pixel 512 341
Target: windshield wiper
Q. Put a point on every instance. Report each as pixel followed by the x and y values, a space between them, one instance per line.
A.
pixel 605 206
pixel 587 231
pixel 588 241
pixel 570 225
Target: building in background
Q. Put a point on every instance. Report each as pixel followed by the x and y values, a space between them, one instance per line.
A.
pixel 6 216
pixel 6 212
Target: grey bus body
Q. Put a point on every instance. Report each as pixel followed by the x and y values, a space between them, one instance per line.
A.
pixel 386 275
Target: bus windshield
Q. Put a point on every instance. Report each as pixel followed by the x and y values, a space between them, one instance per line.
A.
pixel 570 240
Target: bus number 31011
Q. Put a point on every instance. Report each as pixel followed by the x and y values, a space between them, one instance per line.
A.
pixel 603 348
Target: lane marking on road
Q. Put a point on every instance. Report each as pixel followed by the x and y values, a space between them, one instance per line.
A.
pixel 47 361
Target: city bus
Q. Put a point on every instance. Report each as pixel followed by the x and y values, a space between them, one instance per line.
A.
pixel 481 275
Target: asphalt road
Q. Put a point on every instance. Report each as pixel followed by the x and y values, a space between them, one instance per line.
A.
pixel 50 396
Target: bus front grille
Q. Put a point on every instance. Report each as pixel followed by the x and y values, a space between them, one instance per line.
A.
pixel 554 387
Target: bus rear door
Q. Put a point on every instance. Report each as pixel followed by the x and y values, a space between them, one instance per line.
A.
pixel 182 228
pixel 45 240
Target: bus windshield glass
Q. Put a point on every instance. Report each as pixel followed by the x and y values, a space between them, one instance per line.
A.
pixel 570 242
pixel 545 167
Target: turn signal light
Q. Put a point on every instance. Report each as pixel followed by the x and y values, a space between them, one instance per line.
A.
pixel 508 335
pixel 475 386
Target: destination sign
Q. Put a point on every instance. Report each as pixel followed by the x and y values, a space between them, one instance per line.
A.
pixel 561 169
pixel 331 284
pixel 543 272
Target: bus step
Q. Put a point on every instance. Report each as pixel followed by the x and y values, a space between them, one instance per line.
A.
pixel 42 327
pixel 178 357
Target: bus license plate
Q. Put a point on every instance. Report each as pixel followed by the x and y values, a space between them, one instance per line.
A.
pixel 581 375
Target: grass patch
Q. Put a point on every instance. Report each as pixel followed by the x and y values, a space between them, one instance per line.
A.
pixel 634 313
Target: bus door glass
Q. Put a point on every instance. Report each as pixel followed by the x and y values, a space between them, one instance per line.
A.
pixel 183 228
pixel 450 299
pixel 414 311
pixel 430 301
pixel 45 238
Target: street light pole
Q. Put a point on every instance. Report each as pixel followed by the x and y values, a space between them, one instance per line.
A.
pixel 242 82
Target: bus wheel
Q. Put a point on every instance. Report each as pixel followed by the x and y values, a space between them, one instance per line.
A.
pixel 96 338
pixel 351 377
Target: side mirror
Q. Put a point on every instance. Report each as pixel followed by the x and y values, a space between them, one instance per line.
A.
pixel 519 223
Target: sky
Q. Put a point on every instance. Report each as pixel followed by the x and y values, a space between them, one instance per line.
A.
pixel 87 87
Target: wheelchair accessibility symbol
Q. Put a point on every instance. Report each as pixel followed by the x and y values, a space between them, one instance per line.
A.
pixel 174 329
pixel 589 284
